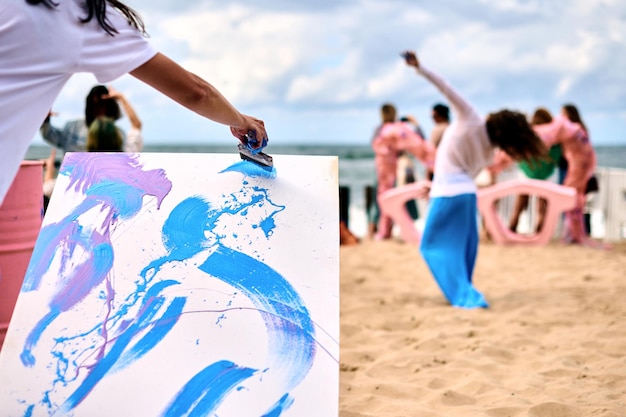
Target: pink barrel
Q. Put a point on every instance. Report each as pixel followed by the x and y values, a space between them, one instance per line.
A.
pixel 20 221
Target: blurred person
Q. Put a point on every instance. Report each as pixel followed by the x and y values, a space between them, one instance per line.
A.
pixel 104 136
pixel 412 121
pixel 538 170
pixel 406 175
pixel 393 137
pixel 372 210
pixel 591 189
pixel 133 140
pixel 441 116
pixel 103 37
pixel 449 242
pixel 581 164
pixel 100 101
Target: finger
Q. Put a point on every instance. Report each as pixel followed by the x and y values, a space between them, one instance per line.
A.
pixel 239 135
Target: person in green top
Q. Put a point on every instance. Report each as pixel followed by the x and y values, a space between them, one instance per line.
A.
pixel 538 170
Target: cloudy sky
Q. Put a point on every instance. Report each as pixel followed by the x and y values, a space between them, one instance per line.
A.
pixel 317 71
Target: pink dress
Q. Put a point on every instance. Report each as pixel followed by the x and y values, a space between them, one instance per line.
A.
pixel 581 160
pixel 392 138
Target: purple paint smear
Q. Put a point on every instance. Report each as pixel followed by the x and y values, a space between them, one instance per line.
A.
pixel 116 186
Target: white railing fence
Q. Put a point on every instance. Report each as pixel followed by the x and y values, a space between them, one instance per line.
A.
pixel 609 205
pixel 606 208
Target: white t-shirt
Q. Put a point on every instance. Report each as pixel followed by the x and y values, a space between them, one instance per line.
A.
pixel 41 49
pixel 464 148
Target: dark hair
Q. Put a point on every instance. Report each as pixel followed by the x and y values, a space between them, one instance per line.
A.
pixel 573 115
pixel 541 116
pixel 96 106
pixel 97 9
pixel 388 112
pixel 510 131
pixel 104 136
pixel 442 111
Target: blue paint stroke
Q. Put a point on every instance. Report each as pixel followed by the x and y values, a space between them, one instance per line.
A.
pixel 250 169
pixel 190 227
pixel 158 328
pixel 277 409
pixel 291 332
pixel 207 390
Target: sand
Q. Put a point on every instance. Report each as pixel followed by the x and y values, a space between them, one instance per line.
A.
pixel 552 343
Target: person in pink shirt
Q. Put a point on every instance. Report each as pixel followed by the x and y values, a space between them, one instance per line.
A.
pixel 581 160
pixel 390 140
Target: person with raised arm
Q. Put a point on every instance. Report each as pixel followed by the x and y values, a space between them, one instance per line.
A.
pixel 449 242
pixel 101 101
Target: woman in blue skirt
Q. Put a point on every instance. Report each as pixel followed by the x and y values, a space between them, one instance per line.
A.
pixel 450 239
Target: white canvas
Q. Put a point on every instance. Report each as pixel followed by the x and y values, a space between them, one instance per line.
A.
pixel 180 284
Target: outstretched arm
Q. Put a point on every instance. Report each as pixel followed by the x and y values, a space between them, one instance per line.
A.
pixel 196 94
pixel 135 122
pixel 460 105
pixel 52 135
pixel 414 143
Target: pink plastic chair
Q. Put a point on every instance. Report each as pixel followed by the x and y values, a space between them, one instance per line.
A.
pixel 392 203
pixel 560 199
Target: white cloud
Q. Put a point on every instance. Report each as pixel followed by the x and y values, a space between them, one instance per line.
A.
pixel 322 64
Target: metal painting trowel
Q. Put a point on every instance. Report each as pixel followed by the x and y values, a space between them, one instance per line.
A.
pixel 248 153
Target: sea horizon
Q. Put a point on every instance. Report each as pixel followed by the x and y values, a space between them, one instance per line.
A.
pixel 608 156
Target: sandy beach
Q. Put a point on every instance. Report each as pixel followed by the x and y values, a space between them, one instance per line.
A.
pixel 552 343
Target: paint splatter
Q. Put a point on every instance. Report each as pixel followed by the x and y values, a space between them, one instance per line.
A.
pixel 197 232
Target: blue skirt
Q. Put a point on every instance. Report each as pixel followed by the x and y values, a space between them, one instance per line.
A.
pixel 449 246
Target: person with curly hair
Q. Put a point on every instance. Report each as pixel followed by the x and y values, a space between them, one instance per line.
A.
pixel 538 170
pixel 449 242
pixel 44 42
